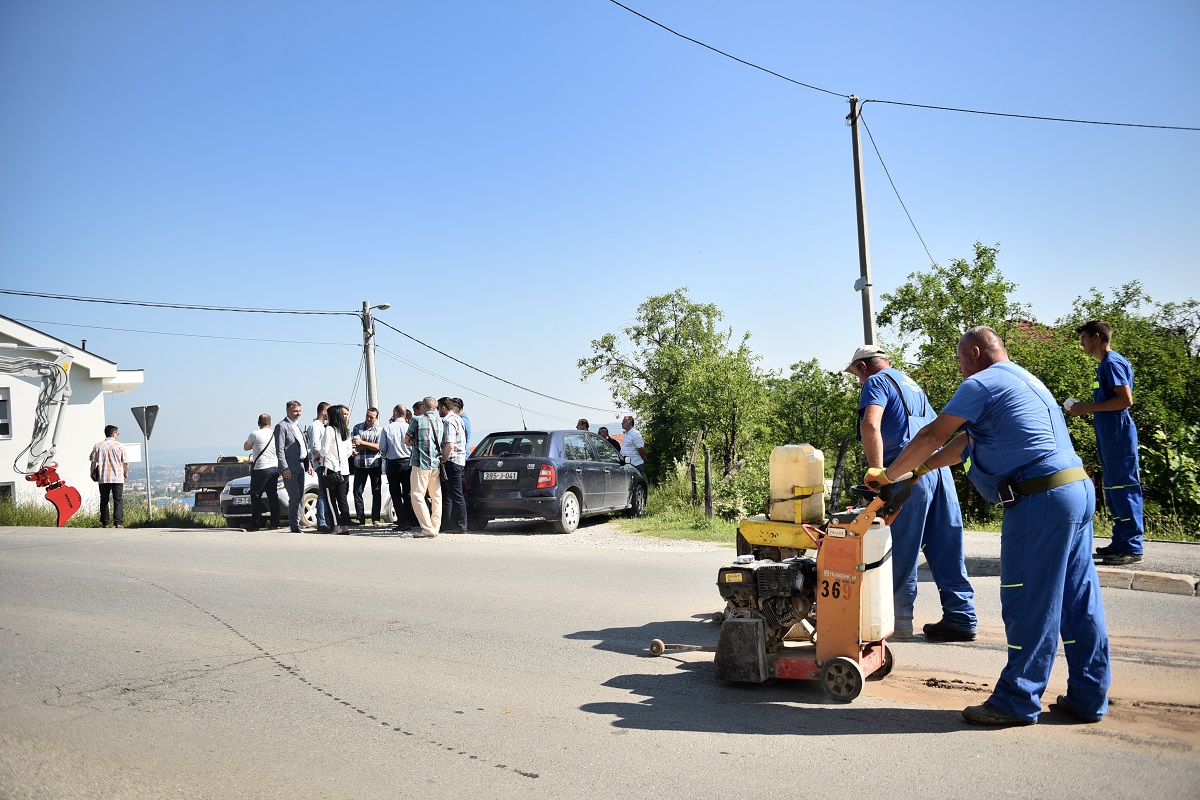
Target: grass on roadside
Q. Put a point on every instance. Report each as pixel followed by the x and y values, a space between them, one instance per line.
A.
pixel 43 514
pixel 670 514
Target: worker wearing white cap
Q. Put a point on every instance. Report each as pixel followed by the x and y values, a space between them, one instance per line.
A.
pixel 891 409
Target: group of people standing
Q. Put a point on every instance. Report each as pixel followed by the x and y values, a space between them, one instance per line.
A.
pixel 1010 434
pixel 421 451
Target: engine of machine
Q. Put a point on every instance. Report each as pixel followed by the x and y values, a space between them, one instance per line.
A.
pixel 781 593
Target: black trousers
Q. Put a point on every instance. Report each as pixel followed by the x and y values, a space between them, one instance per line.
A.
pixel 400 484
pixel 117 492
pixel 264 480
pixel 454 502
pixel 339 509
pixel 361 474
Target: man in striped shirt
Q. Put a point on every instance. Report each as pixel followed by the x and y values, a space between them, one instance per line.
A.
pixel 111 464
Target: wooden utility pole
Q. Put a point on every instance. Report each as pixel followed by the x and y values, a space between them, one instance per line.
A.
pixel 863 284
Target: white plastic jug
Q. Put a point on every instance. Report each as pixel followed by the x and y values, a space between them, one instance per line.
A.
pixel 878 617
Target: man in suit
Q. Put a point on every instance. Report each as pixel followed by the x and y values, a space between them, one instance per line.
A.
pixel 292 453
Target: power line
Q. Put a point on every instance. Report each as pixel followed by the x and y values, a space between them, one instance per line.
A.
pixel 490 375
pixel 727 55
pixel 149 304
pixel 185 306
pixel 894 189
pixel 188 335
pixel 453 382
pixel 898 102
pixel 1034 116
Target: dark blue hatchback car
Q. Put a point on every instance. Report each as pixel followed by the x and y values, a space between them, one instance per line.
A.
pixel 561 476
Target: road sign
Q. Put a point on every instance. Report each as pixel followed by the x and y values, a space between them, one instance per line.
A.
pixel 145 416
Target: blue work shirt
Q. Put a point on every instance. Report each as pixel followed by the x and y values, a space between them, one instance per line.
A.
pixel 906 409
pixel 1112 371
pixel 1015 428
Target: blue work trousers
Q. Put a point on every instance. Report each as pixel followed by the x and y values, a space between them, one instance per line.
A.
pixel 1122 487
pixel 931 522
pixel 1048 589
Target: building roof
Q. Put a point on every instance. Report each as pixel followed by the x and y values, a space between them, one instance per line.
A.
pixel 98 368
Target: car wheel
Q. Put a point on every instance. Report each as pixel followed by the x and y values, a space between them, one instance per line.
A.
pixel 568 516
pixel 476 523
pixel 637 504
pixel 308 511
pixel 388 514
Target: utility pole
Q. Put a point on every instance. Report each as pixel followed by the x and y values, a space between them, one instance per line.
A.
pixel 863 284
pixel 368 324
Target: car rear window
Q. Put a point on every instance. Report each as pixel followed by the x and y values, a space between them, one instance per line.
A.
pixel 513 445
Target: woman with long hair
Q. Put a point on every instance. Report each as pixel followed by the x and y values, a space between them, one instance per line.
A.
pixel 336 451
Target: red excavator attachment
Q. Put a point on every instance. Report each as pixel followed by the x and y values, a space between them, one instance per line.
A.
pixel 65 498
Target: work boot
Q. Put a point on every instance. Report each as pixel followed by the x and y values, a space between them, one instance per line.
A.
pixel 1121 559
pixel 1063 703
pixel 988 714
pixel 940 631
pixel 1107 550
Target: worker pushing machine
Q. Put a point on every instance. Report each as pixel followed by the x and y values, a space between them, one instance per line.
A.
pixel 892 408
pixel 1011 436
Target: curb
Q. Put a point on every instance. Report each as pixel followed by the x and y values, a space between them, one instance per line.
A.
pixel 1110 577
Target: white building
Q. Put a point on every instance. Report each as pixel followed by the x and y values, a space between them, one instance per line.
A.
pixel 83 421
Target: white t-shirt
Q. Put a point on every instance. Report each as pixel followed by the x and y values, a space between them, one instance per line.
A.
pixel 630 444
pixel 263 441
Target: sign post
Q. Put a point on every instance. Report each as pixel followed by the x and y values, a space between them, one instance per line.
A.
pixel 145 416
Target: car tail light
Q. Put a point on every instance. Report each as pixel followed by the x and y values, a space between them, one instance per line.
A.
pixel 547 478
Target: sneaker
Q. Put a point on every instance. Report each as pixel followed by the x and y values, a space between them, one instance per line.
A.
pixel 903 635
pixel 941 632
pixel 422 534
pixel 1120 559
pixel 1063 703
pixel 122 525
pixel 988 714
pixel 369 523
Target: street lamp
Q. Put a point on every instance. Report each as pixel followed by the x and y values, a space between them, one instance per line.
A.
pixel 369 350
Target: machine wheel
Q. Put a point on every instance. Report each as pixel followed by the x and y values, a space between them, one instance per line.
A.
pixel 842 679
pixel 568 516
pixel 476 522
pixel 637 504
pixel 718 617
pixel 657 648
pixel 889 661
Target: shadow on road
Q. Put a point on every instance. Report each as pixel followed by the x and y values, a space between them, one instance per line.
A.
pixel 692 699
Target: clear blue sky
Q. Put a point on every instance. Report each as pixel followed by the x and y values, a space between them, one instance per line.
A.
pixel 515 178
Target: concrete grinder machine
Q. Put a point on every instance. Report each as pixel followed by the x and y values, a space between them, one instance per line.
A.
pixel 789 615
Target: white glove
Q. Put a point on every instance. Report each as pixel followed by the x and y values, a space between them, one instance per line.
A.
pixel 1069 402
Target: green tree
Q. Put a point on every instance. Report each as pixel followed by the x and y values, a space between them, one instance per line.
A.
pixel 680 372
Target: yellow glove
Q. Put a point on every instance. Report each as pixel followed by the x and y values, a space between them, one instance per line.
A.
pixel 920 470
pixel 876 477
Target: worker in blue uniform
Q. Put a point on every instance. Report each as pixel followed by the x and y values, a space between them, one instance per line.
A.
pixel 891 409
pixel 1011 436
pixel 1117 441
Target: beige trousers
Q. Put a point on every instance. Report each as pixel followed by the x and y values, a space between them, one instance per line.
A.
pixel 429 480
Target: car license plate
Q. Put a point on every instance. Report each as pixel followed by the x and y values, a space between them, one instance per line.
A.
pixel 240 501
pixel 499 476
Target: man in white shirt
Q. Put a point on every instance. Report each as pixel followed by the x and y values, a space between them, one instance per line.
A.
pixel 315 433
pixel 367 464
pixel 264 473
pixel 632 444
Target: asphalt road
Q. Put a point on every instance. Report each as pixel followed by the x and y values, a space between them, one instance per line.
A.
pixel 156 663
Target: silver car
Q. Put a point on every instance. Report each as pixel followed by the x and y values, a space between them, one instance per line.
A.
pixel 235 502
